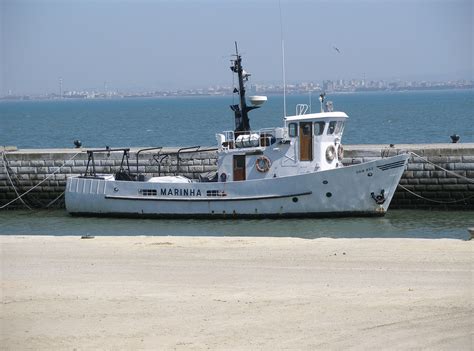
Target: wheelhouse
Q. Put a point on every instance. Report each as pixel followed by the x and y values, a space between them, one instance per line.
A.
pixel 306 143
pixel 317 138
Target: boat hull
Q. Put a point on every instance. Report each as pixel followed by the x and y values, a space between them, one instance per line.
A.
pixel 358 190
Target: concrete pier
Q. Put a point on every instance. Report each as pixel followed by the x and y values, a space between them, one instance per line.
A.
pixel 424 185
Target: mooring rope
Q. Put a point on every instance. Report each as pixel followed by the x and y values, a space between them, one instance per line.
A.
pixel 432 200
pixel 447 171
pixel 56 199
pixel 19 197
pixel 5 165
pixel 444 169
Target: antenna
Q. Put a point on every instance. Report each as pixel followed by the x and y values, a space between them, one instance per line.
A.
pixel 310 101
pixel 283 60
pixel 242 122
pixel 60 87
pixel 284 78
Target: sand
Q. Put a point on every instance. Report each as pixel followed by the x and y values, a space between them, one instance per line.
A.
pixel 199 293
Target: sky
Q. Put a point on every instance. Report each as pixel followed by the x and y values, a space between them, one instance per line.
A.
pixel 171 44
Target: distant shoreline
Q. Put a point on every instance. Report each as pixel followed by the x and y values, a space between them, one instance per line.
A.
pixel 276 93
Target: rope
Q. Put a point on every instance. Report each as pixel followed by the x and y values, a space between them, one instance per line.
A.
pixel 437 201
pixel 447 171
pixel 56 199
pixel 15 180
pixel 19 197
pixel 5 165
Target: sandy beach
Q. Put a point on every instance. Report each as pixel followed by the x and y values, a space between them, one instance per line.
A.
pixel 194 293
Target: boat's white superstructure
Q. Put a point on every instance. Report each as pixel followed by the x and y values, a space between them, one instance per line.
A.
pixel 293 170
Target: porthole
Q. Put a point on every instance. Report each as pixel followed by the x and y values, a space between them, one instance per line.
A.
pixel 295 199
pixel 325 181
pixel 328 194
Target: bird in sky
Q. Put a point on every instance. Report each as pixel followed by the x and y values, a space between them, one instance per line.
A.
pixel 335 48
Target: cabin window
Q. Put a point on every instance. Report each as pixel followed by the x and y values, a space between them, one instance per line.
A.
pixel 306 129
pixel 147 192
pixel 339 127
pixel 332 127
pixel 318 128
pixel 214 193
pixel 293 130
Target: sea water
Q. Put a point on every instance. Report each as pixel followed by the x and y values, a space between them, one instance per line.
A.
pixel 381 117
pixel 374 118
pixel 395 224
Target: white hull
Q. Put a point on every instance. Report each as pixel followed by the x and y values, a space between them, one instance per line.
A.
pixel 341 191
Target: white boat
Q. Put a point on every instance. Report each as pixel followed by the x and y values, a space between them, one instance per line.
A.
pixel 291 171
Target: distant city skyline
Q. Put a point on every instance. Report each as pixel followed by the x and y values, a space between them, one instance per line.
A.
pixel 169 45
pixel 327 86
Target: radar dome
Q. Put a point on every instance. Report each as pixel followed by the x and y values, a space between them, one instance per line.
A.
pixel 257 100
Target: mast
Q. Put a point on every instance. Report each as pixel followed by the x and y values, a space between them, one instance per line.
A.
pixel 242 122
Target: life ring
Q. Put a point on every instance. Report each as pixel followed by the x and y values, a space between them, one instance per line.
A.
pixel 330 153
pixel 340 152
pixel 263 164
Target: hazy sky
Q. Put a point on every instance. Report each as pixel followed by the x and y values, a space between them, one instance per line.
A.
pixel 137 45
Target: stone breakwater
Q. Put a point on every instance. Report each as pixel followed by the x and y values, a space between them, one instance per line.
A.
pixel 441 178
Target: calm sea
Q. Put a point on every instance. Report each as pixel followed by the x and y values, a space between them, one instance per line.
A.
pixel 396 224
pixel 382 118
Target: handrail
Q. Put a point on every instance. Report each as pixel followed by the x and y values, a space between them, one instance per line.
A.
pixel 147 149
pixel 184 150
pixel 90 157
pixel 108 149
pixel 301 109
pixel 179 151
pixel 159 157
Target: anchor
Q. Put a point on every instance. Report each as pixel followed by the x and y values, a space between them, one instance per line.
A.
pixel 379 199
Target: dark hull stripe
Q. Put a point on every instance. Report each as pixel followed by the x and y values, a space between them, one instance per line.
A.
pixel 233 215
pixel 210 199
pixel 387 168
pixel 391 165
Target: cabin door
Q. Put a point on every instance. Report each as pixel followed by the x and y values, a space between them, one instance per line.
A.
pixel 239 167
pixel 306 141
